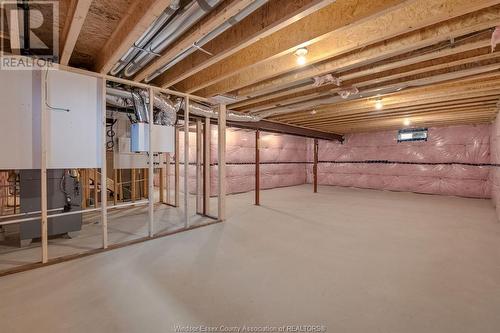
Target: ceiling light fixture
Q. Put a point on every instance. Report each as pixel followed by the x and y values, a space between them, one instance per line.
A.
pixel 313 112
pixel 407 122
pixel 301 55
pixel 379 104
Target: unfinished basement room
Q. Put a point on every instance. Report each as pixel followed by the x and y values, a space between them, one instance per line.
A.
pixel 296 166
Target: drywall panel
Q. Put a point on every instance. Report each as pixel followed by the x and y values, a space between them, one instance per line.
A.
pixel 17 123
pixel 74 135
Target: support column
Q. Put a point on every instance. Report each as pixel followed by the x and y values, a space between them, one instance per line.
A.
pixel 43 172
pixel 167 178
pixel 257 168
pixel 104 174
pixel 96 189
pixel 132 185
pixel 199 173
pixel 162 183
pixel 186 163
pixel 206 166
pixel 222 163
pixel 177 168
pixel 315 166
pixel 151 170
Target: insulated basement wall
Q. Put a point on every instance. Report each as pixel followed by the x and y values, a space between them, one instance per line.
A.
pixel 450 162
pixel 495 159
pixel 282 159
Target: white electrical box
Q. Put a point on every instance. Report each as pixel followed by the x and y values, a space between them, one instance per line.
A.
pixel 162 141
pixel 73 137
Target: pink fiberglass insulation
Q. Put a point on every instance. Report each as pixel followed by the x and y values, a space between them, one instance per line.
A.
pixel 495 159
pixel 436 166
pixel 282 160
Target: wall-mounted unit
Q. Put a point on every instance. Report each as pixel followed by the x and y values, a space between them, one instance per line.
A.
pixel 162 141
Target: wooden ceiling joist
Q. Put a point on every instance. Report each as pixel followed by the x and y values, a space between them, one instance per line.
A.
pixel 74 22
pixel 314 27
pixel 385 25
pixel 357 72
pixel 376 75
pixel 137 20
pixel 265 20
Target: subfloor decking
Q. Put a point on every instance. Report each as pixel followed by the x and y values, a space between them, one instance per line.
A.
pixel 352 260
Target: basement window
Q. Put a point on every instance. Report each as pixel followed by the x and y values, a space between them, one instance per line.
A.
pixel 412 134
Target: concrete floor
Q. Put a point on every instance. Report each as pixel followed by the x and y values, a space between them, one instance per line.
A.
pixel 351 260
pixel 124 224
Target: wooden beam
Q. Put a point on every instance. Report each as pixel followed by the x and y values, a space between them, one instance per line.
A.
pixel 313 27
pixel 474 58
pixel 139 17
pixel 176 168
pixel 206 166
pixel 418 82
pixel 186 163
pixel 271 17
pixel 199 173
pixel 298 78
pixel 388 24
pixel 215 19
pixel 221 150
pixel 79 12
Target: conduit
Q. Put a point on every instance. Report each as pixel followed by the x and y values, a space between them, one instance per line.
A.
pixel 208 37
pixel 162 34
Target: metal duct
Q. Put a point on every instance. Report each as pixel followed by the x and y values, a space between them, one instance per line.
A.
pixel 164 113
pixel 142 42
pixel 179 24
pixel 208 37
pixel 206 111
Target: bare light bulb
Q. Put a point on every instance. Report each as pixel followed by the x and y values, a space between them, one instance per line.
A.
pixel 301 55
pixel 379 105
pixel 407 122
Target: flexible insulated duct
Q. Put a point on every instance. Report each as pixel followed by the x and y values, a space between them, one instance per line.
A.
pixel 165 112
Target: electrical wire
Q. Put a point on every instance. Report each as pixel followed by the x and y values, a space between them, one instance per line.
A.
pixel 47 94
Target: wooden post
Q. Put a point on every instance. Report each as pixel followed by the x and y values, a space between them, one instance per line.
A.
pixel 167 179
pixel 145 185
pixel 115 186
pixel 96 191
pixel 206 167
pixel 104 175
pixel 199 174
pixel 162 183
pixel 43 171
pixel 150 171
pixel 177 168
pixel 120 188
pixel 186 163
pixel 132 186
pixel 257 168
pixel 222 163
pixel 315 166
